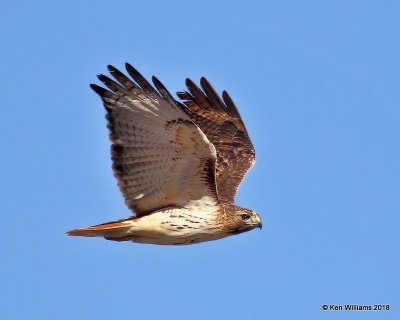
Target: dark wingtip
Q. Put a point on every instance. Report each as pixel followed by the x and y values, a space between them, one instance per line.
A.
pixel 111 68
pixel 102 93
pixel 163 91
pixel 102 77
pixel 99 90
pixel 158 83
pixel 226 97
pixel 205 83
pixel 130 68
pixel 189 82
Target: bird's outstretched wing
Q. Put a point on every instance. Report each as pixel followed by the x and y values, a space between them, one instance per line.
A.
pixel 160 157
pixel 221 122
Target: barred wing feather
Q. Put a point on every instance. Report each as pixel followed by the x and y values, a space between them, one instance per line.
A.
pixel 160 157
pixel 220 120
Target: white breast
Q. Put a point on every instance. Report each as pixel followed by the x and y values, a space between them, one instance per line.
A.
pixel 192 224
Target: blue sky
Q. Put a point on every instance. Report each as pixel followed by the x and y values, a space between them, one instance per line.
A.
pixel 318 86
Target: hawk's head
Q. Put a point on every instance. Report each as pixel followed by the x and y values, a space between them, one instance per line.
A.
pixel 243 220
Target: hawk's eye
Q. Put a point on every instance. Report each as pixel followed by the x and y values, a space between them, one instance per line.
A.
pixel 245 217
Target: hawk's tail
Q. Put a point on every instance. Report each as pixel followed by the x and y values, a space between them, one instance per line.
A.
pixel 114 230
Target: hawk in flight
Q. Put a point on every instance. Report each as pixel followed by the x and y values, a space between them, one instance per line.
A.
pixel 178 164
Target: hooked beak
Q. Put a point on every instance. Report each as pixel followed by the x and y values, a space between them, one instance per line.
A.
pixel 259 222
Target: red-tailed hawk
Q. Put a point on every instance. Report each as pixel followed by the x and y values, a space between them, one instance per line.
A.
pixel 178 165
